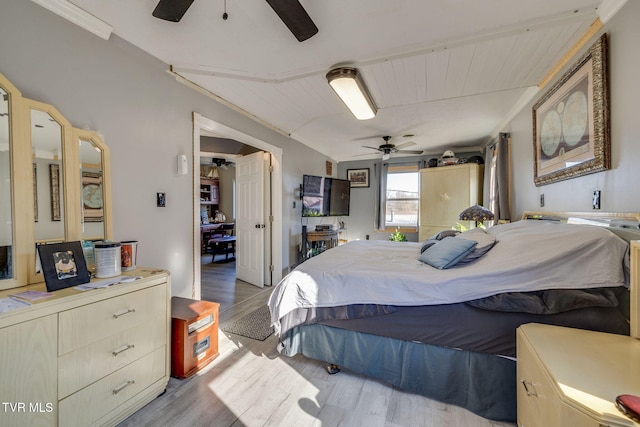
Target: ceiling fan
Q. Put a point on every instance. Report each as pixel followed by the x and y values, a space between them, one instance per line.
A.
pixel 222 163
pixel 290 12
pixel 387 148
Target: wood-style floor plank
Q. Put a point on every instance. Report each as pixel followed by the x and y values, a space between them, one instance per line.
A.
pixel 250 384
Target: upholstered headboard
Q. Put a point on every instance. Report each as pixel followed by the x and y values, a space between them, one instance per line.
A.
pixel 625 225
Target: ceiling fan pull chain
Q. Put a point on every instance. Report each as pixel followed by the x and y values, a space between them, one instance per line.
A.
pixel 225 15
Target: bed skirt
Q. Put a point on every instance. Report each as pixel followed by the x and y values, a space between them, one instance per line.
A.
pixel 481 383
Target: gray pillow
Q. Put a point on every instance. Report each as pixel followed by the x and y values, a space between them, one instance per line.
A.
pixel 427 244
pixel 445 233
pixel 485 243
pixel 447 252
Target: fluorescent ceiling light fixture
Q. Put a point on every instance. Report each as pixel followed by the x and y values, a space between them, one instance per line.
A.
pixel 78 16
pixel 350 87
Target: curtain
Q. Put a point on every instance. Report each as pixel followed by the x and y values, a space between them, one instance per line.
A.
pixel 382 196
pixel 497 186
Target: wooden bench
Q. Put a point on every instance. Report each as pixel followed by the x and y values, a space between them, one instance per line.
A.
pixel 220 245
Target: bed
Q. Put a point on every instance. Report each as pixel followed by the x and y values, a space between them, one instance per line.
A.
pixel 417 317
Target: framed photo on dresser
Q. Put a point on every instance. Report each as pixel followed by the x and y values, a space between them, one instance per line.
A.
pixel 63 265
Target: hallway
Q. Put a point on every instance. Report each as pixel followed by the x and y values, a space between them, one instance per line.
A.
pixel 219 284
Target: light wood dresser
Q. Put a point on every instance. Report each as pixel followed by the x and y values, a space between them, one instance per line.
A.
pixel 84 358
pixel 571 377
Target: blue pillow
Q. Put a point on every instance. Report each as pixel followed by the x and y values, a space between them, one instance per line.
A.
pixel 447 252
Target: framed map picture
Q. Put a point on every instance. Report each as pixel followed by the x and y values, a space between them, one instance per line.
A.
pixel 571 121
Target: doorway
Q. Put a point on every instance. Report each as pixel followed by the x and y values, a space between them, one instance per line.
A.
pixel 203 125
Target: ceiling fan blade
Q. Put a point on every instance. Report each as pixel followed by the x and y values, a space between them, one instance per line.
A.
pixel 363 138
pixel 409 151
pixel 373 148
pixel 171 10
pixel 295 18
pixel 405 144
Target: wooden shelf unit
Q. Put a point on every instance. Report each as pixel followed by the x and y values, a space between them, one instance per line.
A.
pixel 209 195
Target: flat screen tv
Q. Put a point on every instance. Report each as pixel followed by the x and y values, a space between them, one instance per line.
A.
pixel 323 196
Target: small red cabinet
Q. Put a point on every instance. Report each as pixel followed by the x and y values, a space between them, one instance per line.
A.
pixel 194 335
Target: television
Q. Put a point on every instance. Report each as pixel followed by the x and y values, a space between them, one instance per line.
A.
pixel 323 196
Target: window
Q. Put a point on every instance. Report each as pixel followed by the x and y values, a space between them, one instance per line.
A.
pixel 402 197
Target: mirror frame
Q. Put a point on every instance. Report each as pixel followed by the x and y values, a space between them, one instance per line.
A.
pixel 94 138
pixel 70 186
pixel 23 227
pixel 20 178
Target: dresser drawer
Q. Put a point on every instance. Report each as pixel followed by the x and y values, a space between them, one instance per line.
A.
pixel 102 397
pixel 88 364
pixel 537 402
pixel 91 323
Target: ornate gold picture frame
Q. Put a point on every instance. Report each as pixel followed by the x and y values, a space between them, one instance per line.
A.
pixel 92 197
pixel 54 180
pixel 571 121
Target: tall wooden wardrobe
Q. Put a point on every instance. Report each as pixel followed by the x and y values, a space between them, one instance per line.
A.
pixel 445 192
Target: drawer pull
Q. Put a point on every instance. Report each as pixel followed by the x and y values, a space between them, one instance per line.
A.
pixel 131 310
pixel 526 388
pixel 122 349
pixel 123 386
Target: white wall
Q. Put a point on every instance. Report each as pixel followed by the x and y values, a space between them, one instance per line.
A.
pixel 145 117
pixel 619 185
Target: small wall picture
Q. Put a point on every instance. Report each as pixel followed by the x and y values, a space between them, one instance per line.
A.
pixel 358 177
pixel 63 265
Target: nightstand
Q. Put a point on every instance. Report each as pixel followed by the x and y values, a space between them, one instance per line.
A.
pixel 194 335
pixel 571 377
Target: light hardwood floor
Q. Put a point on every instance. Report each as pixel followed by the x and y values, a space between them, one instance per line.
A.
pixel 250 384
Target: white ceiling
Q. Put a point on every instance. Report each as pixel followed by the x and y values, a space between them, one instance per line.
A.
pixel 452 73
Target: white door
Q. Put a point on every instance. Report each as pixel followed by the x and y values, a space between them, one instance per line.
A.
pixel 250 218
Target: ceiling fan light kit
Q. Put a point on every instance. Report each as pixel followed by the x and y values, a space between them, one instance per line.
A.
pixel 387 149
pixel 350 88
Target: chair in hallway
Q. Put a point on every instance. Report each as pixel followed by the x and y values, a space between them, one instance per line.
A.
pixel 223 241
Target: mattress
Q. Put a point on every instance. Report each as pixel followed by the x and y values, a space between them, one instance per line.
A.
pixel 461 326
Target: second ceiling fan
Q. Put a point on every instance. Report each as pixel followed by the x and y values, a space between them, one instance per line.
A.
pixel 387 148
pixel 290 12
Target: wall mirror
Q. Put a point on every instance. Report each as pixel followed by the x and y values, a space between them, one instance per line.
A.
pixel 94 163
pixel 48 171
pixel 14 184
pixel 52 156
pixel 6 214
pixel 54 184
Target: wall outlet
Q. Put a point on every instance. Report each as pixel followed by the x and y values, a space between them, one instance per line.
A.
pixel 596 199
